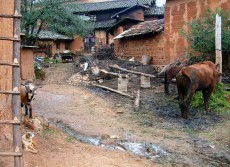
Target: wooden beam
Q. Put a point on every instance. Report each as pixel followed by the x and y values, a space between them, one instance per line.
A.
pixel 113 90
pixel 114 74
pixel 16 101
pixel 130 71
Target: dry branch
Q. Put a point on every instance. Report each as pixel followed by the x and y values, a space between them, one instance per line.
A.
pixel 113 90
pixel 130 71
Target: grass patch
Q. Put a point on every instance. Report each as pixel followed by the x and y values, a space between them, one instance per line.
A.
pixel 48 131
pixel 70 139
pixel 218 101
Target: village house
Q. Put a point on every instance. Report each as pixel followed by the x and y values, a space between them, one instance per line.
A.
pixel 108 16
pixel 49 43
pixel 145 38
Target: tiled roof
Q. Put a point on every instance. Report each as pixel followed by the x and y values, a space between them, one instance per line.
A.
pixel 143 28
pixel 45 34
pixel 104 24
pixel 156 10
pixel 123 21
pixel 107 5
pixel 125 10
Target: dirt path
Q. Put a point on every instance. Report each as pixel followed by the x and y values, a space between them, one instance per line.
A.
pixel 116 135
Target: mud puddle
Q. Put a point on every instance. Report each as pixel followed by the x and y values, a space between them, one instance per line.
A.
pixel 143 149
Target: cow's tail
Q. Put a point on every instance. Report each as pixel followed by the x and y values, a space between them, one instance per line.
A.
pixel 185 75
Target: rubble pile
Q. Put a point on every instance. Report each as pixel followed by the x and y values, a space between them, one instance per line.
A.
pixel 78 80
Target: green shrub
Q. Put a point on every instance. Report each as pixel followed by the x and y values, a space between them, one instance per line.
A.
pixel 39 74
pixel 217 102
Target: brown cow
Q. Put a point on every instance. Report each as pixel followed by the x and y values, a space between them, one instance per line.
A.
pixel 201 76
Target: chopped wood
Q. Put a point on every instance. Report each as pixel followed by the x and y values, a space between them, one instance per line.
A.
pixel 113 90
pixel 130 71
pixel 115 74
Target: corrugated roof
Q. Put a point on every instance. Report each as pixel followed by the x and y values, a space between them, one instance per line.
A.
pixel 45 34
pixel 107 5
pixel 145 27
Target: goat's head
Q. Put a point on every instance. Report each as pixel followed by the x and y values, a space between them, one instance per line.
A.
pixel 31 90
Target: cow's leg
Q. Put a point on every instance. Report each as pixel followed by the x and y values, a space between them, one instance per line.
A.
pixel 207 94
pixel 184 111
pixel 166 83
pixel 183 108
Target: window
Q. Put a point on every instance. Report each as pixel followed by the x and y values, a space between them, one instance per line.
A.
pixel 93 17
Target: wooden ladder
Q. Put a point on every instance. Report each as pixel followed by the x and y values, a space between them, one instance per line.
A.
pixel 15 64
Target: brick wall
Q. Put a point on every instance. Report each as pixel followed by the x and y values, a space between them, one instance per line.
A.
pixel 77 45
pixel 151 45
pixel 176 13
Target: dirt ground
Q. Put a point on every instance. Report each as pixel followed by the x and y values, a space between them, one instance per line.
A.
pixel 91 127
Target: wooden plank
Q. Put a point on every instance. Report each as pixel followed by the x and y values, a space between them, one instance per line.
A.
pixel 15 154
pixel 130 71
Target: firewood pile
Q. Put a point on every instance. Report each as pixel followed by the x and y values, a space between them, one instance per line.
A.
pixel 104 53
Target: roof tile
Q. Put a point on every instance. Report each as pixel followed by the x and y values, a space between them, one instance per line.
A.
pixel 143 28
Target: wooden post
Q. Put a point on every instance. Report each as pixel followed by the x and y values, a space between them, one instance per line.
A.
pixel 17 136
pixel 218 43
